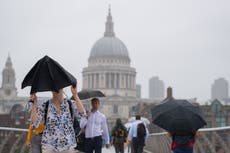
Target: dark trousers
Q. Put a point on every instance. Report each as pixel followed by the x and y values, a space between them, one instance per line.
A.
pixel 138 145
pixel 93 144
pixel 36 146
pixel 119 147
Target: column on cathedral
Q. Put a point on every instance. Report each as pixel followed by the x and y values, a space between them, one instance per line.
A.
pixel 126 82
pixel 91 81
pixel 97 80
pixel 88 81
pixel 106 80
pixel 123 80
pixel 131 85
pixel 133 82
pixel 129 79
pixel 118 80
pixel 102 80
pixel 115 80
pixel 110 80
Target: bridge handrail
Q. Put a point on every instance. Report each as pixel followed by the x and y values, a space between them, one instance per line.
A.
pixel 13 129
pixel 201 130
pixel 152 134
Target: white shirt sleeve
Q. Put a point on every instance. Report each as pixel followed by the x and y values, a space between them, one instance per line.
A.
pixel 130 136
pixel 105 131
pixel 147 133
pixel 83 122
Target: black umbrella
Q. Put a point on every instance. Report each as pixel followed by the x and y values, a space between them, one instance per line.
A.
pixel 178 116
pixel 48 75
pixel 86 94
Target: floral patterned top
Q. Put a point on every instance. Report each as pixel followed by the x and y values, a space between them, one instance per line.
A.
pixel 59 133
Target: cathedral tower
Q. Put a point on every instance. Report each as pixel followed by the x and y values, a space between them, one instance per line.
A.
pixel 8 89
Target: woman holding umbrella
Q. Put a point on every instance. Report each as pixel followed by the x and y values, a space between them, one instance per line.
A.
pixel 58 135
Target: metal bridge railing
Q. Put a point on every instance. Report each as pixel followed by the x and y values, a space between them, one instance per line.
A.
pixel 210 140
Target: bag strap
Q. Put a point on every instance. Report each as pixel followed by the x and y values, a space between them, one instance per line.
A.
pixel 47 106
pixel 46 110
pixel 70 108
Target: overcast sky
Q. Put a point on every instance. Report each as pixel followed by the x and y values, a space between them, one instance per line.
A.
pixel 184 42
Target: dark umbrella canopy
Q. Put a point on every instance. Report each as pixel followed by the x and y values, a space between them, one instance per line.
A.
pixel 86 94
pixel 178 116
pixel 48 75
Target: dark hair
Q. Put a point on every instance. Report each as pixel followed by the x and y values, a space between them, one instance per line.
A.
pixel 138 117
pixel 95 100
pixel 118 121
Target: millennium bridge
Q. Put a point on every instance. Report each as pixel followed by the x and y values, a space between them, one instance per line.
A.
pixel 210 140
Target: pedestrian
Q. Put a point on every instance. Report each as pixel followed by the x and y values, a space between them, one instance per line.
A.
pixel 138 134
pixel 58 135
pixel 119 135
pixel 129 143
pixel 34 138
pixel 183 143
pixel 96 129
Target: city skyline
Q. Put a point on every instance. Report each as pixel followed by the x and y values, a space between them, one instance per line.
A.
pixel 186 44
pixel 220 89
pixel 156 88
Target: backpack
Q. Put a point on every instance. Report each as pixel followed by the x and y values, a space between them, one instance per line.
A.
pixel 120 136
pixel 76 124
pixel 80 140
pixel 119 133
pixel 141 131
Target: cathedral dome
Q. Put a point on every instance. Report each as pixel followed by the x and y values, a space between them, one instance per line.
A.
pixel 109 45
pixel 109 67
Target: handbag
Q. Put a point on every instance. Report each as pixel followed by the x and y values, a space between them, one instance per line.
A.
pixel 80 140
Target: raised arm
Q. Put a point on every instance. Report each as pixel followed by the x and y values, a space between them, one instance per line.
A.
pixel 79 104
pixel 36 112
pixel 34 116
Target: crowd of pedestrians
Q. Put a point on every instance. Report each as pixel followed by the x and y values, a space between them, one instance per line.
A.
pixel 57 123
pixel 51 129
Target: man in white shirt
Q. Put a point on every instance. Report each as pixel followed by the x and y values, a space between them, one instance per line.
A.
pixel 96 129
pixel 136 139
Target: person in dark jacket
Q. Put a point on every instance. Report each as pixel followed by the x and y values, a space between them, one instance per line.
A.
pixel 183 143
pixel 119 135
